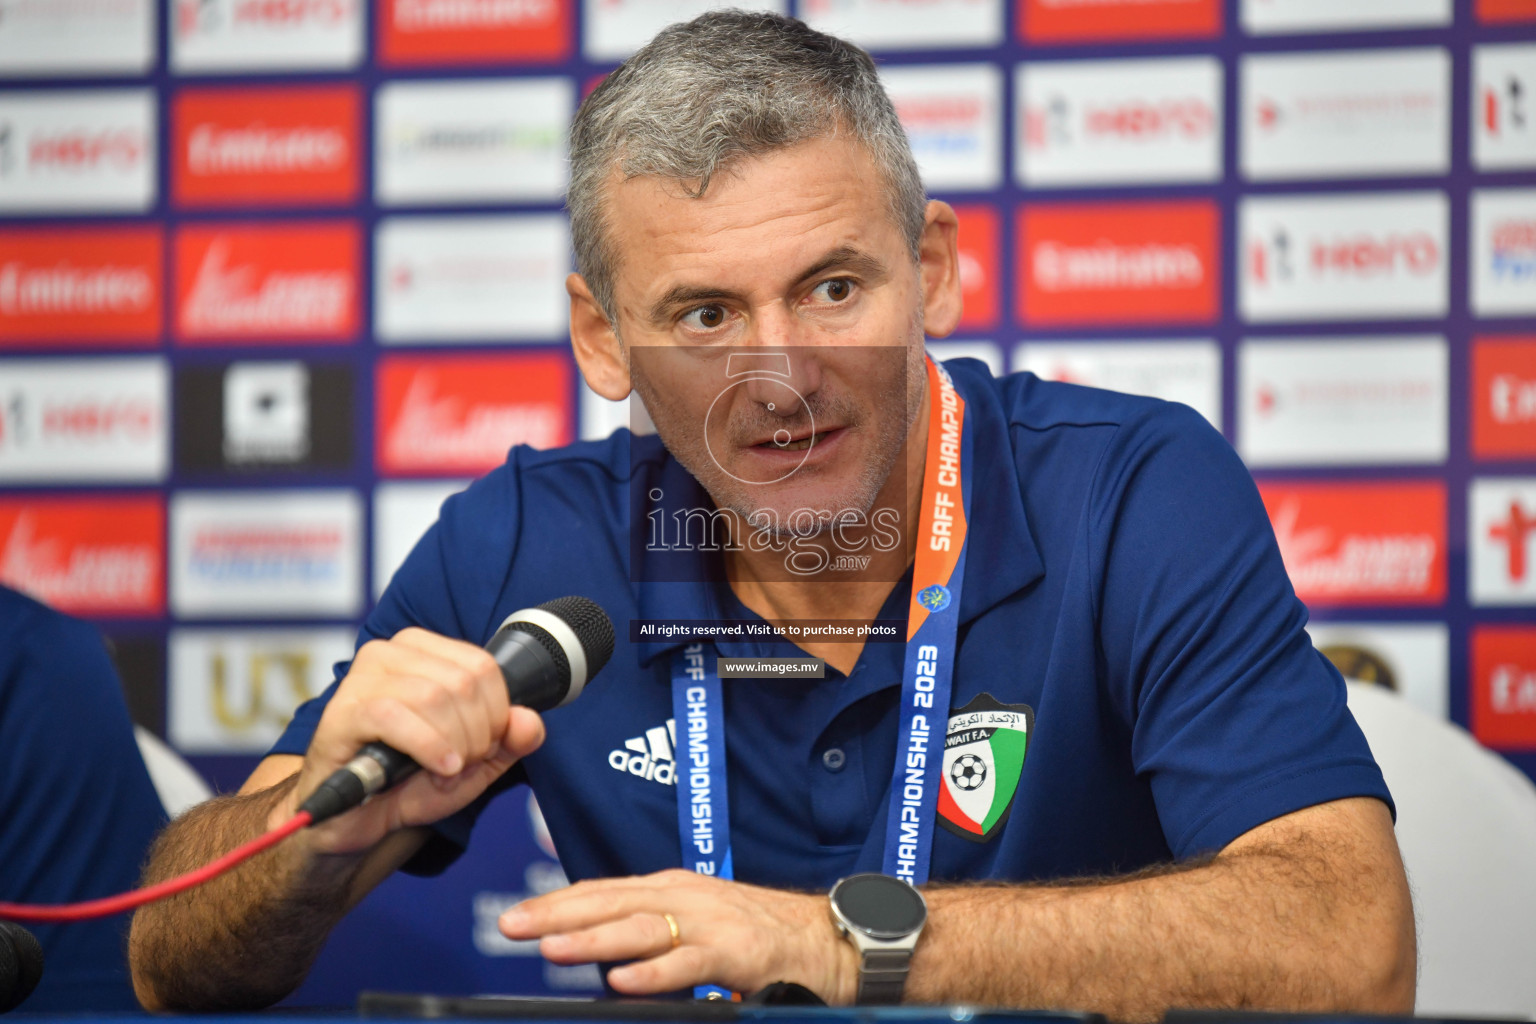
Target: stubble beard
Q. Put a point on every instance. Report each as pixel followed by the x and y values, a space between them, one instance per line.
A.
pixel 768 516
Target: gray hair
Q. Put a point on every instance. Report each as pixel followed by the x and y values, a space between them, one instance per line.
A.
pixel 725 86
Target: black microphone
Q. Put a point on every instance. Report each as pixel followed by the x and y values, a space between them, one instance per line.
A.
pixel 547 654
pixel 21 965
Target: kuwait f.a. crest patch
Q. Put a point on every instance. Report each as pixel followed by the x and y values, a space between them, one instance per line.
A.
pixel 983 759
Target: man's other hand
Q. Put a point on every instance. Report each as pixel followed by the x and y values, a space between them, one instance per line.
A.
pixel 740 937
pixel 444 703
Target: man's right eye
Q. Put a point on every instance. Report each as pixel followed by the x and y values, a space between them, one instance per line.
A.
pixel 705 318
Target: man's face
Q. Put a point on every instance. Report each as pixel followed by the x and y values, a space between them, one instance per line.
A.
pixel 773 328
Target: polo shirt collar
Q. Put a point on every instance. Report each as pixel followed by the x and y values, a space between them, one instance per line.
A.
pixel 1001 555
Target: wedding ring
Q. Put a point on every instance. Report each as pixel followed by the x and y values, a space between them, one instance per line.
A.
pixel 677 937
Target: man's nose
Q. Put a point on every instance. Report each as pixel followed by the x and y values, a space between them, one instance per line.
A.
pixel 781 358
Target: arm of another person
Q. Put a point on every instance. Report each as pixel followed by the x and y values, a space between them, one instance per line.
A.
pixel 247 939
pixel 1307 912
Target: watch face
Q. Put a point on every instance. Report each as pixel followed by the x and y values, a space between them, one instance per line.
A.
pixel 880 906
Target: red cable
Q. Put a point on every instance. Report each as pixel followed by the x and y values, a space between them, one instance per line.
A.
pixel 138 897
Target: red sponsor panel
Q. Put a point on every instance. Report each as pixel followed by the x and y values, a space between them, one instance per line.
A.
pixel 70 286
pixel 1504 398
pixel 458 415
pixel 980 265
pixel 473 31
pixel 244 283
pixel 1361 543
pixel 1503 667
pixel 1506 10
pixel 86 556
pixel 234 147
pixel 1086 21
pixel 1119 263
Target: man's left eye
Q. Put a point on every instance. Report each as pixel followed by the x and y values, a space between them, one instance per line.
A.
pixel 836 290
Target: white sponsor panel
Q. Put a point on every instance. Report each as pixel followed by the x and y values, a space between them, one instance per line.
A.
pixel 277 554
pixel 402 512
pixel 986 351
pixel 84 419
pixel 1501 541
pixel 87 149
pixel 1351 113
pixel 1106 122
pixel 233 691
pixel 1179 370
pixel 1360 256
pixel 614 29
pixel 475 278
pixel 1411 659
pixel 1276 17
pixel 68 37
pixel 1342 401
pixel 472 140
pixel 257 35
pixel 953 116
pixel 1504 107
pixel 1503 252
pixel 909 24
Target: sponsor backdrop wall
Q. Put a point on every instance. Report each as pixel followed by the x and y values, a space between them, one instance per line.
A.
pixel 276 276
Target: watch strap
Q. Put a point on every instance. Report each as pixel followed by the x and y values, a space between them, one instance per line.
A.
pixel 882 976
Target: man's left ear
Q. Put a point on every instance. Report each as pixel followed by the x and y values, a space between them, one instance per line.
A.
pixel 939 264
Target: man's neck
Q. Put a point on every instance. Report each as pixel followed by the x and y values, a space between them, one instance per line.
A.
pixel 757 577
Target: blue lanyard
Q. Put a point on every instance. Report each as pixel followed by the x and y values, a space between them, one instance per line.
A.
pixel 703 813
pixel 703 809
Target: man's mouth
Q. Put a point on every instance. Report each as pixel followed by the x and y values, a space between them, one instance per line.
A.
pixel 782 443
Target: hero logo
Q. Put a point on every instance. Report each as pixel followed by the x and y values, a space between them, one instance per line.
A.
pixel 1502 547
pixel 1503 107
pixel 81 149
pixel 77 419
pixel 1359 255
pixel 253 34
pixel 1344 257
pixel 270 281
pixel 76 150
pixel 194 16
pixel 94 558
pixel 1103 122
pixel 1054 123
pixel 1361 543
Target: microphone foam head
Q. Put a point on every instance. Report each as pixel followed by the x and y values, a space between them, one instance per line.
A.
pixel 21 965
pixel 592 626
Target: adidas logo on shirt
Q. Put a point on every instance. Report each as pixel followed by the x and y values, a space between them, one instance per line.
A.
pixel 649 755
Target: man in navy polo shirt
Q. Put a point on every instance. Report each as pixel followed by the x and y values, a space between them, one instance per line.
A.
pixel 1107 667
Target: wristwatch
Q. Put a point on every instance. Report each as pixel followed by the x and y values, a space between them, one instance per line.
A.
pixel 882 916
